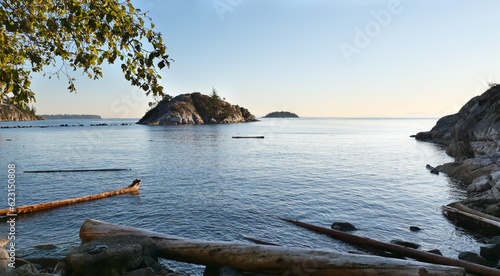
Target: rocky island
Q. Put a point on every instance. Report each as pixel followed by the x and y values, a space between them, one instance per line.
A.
pixel 281 114
pixel 196 108
pixel 472 137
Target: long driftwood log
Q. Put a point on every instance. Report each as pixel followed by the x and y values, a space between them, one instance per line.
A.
pixel 134 187
pixel 401 250
pixel 268 259
pixel 86 170
pixel 478 218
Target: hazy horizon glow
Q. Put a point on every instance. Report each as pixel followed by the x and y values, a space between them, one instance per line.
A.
pixel 323 59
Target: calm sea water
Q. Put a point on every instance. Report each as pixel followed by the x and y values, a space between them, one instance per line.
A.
pixel 198 182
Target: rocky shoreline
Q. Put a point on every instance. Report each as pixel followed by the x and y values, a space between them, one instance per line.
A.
pixel 472 137
pixel 9 112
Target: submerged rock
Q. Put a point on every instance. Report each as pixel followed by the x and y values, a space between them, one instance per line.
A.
pixel 406 244
pixel 343 226
pixel 472 137
pixel 195 108
pixel 415 228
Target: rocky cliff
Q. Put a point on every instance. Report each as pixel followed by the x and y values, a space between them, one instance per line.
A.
pixel 10 112
pixel 196 108
pixel 472 137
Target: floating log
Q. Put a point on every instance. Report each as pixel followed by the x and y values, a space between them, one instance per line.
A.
pixel 267 259
pixel 90 170
pixel 244 137
pixel 401 250
pixel 477 218
pixel 134 187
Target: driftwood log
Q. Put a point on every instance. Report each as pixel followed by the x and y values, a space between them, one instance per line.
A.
pixel 401 250
pixel 477 218
pixel 268 259
pixel 248 137
pixel 132 188
pixel 86 170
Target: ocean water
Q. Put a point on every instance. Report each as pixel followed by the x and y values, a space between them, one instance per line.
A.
pixel 198 182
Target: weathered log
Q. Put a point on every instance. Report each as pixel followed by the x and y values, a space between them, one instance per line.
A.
pixel 268 259
pixel 484 220
pixel 464 208
pixel 87 170
pixel 401 250
pixel 134 187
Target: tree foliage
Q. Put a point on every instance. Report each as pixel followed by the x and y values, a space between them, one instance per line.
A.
pixel 213 103
pixel 73 34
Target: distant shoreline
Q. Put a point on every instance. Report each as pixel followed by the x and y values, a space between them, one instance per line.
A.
pixel 70 116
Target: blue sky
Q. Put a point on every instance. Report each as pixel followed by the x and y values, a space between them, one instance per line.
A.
pixel 315 58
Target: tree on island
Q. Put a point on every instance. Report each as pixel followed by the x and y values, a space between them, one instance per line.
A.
pixel 76 34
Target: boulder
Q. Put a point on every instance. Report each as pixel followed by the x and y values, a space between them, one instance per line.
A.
pixel 406 243
pixel 494 240
pixel 473 258
pixel 27 270
pixel 147 271
pixel 435 251
pixel 115 255
pixel 343 226
pixel 4 260
pixel 491 252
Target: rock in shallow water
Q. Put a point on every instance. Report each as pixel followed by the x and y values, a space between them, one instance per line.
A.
pixel 415 228
pixel 343 226
pixel 491 252
pixel 473 258
pixel 406 244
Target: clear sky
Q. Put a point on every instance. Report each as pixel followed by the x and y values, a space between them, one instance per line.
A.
pixel 320 58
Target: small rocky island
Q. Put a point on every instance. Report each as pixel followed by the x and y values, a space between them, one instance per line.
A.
pixel 196 108
pixel 472 137
pixel 281 114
